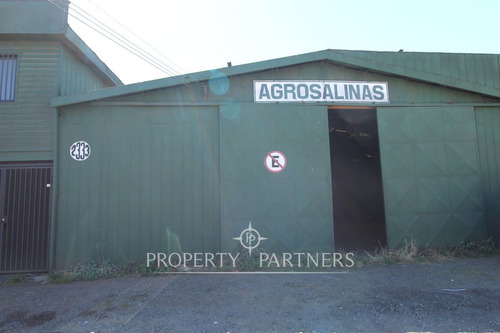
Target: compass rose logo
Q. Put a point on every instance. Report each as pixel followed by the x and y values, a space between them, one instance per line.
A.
pixel 249 238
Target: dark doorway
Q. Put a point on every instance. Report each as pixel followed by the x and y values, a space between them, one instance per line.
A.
pixel 25 216
pixel 358 201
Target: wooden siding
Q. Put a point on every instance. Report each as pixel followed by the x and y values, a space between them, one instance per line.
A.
pixel 45 70
pixel 27 124
pixel 77 77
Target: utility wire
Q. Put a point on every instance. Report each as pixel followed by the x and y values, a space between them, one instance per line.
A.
pixel 166 68
pixel 180 70
pixel 105 31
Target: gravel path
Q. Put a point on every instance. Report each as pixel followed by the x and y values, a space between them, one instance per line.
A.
pixel 441 296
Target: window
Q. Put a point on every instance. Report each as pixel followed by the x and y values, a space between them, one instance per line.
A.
pixel 8 64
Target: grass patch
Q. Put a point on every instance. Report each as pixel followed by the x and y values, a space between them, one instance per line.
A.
pixel 18 278
pixel 143 270
pixel 91 270
pixel 61 277
pixel 87 270
pixel 411 252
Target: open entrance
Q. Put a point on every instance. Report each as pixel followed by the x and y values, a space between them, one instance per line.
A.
pixel 358 201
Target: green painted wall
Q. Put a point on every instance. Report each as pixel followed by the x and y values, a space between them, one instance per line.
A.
pixel 293 208
pixel 44 70
pixel 431 175
pixel 488 139
pixel 481 69
pixel 213 180
pixel 151 183
pixel 76 76
pixel 33 16
pixel 240 88
pixel 27 124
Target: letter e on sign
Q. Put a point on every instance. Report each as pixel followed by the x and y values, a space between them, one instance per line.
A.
pixel 275 161
pixel 79 151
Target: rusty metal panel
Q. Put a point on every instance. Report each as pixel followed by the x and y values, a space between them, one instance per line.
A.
pixel 25 217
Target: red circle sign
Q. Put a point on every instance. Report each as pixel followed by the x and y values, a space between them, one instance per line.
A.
pixel 275 161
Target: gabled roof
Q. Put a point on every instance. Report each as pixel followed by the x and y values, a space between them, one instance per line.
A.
pixel 477 73
pixel 75 43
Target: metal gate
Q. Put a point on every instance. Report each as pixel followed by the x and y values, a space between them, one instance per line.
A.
pixel 25 217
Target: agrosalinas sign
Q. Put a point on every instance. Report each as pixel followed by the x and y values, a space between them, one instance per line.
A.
pixel 306 91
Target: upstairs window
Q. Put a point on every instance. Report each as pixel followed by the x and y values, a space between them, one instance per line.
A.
pixel 8 63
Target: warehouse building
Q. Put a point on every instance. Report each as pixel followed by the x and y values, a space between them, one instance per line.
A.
pixel 329 150
pixel 318 152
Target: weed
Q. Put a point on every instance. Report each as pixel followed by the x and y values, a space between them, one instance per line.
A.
pixel 475 249
pixel 91 270
pixel 410 252
pixel 18 278
pixel 143 270
pixel 247 262
pixel 62 277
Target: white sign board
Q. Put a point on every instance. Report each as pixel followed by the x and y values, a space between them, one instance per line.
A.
pixel 275 161
pixel 79 151
pixel 320 91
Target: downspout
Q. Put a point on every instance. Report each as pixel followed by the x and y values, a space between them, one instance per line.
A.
pixel 55 195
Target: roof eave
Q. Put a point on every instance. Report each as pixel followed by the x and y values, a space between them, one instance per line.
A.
pixel 185 79
pixel 334 56
pixel 75 42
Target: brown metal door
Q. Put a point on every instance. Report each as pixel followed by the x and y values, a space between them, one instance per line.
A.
pixel 24 217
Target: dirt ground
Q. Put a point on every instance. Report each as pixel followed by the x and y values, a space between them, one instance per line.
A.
pixel 442 296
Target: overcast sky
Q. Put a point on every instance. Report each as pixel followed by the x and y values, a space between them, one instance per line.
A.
pixel 196 35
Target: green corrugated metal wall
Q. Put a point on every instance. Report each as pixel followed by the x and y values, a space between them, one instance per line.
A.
pixel 293 208
pixel 434 169
pixel 488 138
pixel 481 69
pixel 431 175
pixel 151 183
pixel 240 87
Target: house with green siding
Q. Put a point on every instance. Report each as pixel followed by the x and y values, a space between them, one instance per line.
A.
pixel 40 58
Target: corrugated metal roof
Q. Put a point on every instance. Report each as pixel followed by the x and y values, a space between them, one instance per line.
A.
pixel 478 73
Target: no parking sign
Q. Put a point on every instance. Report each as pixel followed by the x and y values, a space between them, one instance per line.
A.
pixel 275 161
